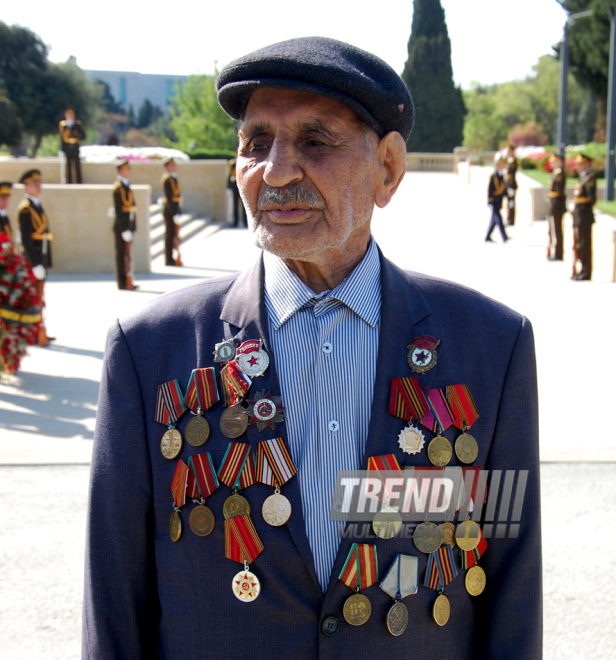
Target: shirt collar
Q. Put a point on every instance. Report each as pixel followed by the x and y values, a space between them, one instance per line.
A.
pixel 126 182
pixel 285 293
pixel 35 200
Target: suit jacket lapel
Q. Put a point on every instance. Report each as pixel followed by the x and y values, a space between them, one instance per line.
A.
pixel 245 317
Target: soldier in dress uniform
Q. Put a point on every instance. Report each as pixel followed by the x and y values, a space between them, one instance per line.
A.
pixel 71 132
pixel 496 192
pixel 124 226
pixel 511 184
pixel 5 196
pixel 584 197
pixel 36 239
pixel 557 207
pixel 171 212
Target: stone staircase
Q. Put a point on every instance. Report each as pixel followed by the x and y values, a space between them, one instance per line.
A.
pixel 189 227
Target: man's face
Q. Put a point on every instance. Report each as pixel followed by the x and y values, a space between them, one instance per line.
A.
pixel 4 201
pixel 171 166
pixel 307 170
pixel 33 188
pixel 582 165
pixel 124 171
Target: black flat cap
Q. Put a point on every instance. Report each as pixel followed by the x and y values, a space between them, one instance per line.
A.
pixel 360 80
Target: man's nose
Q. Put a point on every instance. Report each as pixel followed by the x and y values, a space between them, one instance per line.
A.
pixel 283 165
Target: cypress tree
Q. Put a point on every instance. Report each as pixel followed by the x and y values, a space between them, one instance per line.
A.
pixel 428 75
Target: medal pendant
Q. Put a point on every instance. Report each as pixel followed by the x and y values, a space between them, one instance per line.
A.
pixel 428 537
pixel 197 431
pixel 276 510
pixel 468 535
pixel 246 586
pixel 421 355
pixel 357 609
pixel 233 422
pixel 235 505
pixel 475 580
pixel 201 520
pixel 411 440
pixel 466 448
pixel 439 451
pixel 171 443
pixel 387 523
pixel 449 533
pixel 441 610
pixel 175 526
pixel 253 364
pixel 397 618
pixel 224 351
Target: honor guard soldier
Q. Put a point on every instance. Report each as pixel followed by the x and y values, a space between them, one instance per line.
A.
pixel 496 192
pixel 558 207
pixel 584 198
pixel 36 239
pixel 171 213
pixel 71 133
pixel 5 196
pixel 124 226
pixel 511 184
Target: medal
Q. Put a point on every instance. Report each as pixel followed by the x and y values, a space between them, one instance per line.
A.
pixel 475 579
pixel 201 520
pixel 360 571
pixel 465 414
pixel 169 408
pixel 441 610
pixel 399 582
pixel 411 440
pixel 242 544
pixel 246 586
pixel 421 354
pixel 178 490
pixel 407 400
pixel 468 535
pixel 252 358
pixel 234 384
pixel 439 451
pixel 233 422
pixel 275 467
pixel 438 418
pixel 201 394
pixel 428 537
pixel 387 523
pixel 224 351
pixel 440 571
pixel 237 471
pixel 265 410
pixel 202 482
pixel 449 533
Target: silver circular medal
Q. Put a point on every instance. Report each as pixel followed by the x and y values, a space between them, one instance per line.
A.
pixel 276 510
pixel 397 618
pixel 428 537
pixel 253 364
pixel 246 586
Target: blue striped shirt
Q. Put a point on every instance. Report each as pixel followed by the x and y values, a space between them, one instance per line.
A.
pixel 325 348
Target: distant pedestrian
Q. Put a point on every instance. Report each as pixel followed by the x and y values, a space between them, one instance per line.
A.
pixel 71 133
pixel 584 197
pixel 496 192
pixel 558 207
pixel 124 226
pixel 511 184
pixel 5 197
pixel 171 213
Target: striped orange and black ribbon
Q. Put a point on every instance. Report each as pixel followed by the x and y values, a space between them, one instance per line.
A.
pixel 361 568
pixel 234 384
pixel 202 389
pixel 463 406
pixel 169 403
pixel 237 469
pixel 407 401
pixel 242 542
pixel 178 485
pixel 441 568
pixel 274 463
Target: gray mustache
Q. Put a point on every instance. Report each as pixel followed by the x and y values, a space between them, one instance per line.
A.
pixel 292 194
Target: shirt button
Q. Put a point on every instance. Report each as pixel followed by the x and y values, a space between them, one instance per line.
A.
pixel 330 626
pixel 333 426
pixel 326 348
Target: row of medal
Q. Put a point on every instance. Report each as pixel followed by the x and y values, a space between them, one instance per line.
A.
pixel 360 571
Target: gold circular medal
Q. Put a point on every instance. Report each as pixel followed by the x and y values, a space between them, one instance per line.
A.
pixel 466 448
pixel 175 526
pixel 387 523
pixel 197 431
pixel 475 580
pixel 246 586
pixel 357 610
pixel 468 534
pixel 233 422
pixel 171 443
pixel 441 610
pixel 397 618
pixel 439 451
pixel 428 537
pixel 449 533
pixel 201 520
pixel 235 505
pixel 276 510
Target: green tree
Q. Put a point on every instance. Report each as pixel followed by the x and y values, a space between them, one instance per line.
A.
pixel 428 75
pixel 10 124
pixel 147 114
pixel 484 129
pixel 197 119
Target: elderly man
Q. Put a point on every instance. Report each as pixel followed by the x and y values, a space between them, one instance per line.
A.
pixel 292 364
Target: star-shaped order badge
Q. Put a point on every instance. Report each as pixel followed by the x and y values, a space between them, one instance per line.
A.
pixel 421 354
pixel 265 410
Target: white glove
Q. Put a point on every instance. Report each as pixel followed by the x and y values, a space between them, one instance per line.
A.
pixel 511 203
pixel 127 236
pixel 39 271
pixel 510 192
pixel 571 206
pixel 176 218
pixel 111 212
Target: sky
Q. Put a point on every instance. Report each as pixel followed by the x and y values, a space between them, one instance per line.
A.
pixel 491 40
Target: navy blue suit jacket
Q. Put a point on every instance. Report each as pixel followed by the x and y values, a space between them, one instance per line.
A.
pixel 147 597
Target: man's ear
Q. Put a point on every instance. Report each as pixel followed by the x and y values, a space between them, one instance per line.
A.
pixel 392 154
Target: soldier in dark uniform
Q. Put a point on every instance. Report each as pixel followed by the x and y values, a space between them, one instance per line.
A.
pixel 71 132
pixel 171 212
pixel 584 197
pixel 496 192
pixel 35 238
pixel 124 226
pixel 238 205
pixel 5 196
pixel 557 208
pixel 511 184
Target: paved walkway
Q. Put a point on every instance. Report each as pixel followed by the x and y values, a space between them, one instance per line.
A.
pixel 435 224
